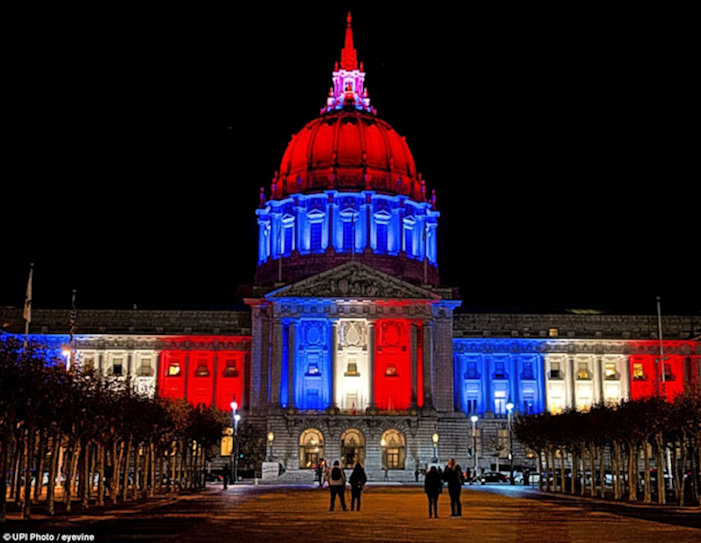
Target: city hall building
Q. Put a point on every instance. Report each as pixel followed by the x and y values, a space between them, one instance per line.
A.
pixel 352 349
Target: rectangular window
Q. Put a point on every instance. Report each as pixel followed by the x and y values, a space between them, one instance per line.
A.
pixel 230 369
pixel 313 369
pixel 499 370
pixel 471 405
pixel 409 241
pixel 610 371
pixel 315 236
pixel 555 370
pixel 527 372
pixel 471 371
pixel 381 238
pixel 145 369
pixel 117 368
pixel 348 235
pixel 288 240
pixel 89 364
pixel 500 402
pixel 583 371
pixel 668 372
pixel 553 332
pixel 638 372
pixel 174 369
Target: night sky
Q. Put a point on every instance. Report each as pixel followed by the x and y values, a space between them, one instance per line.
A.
pixel 559 143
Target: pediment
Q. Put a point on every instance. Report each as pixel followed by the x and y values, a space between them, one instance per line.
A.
pixel 353 280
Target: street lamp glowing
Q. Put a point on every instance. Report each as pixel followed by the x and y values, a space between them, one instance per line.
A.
pixel 234 405
pixel 271 437
pixel 474 418
pixel 509 407
pixel 434 438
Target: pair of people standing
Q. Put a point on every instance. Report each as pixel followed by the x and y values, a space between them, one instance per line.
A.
pixel 336 478
pixel 433 487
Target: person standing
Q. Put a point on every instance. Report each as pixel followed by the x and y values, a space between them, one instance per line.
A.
pixel 336 478
pixel 433 486
pixel 357 481
pixel 226 475
pixel 453 476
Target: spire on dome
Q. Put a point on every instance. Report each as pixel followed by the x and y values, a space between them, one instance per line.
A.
pixel 348 81
pixel 349 56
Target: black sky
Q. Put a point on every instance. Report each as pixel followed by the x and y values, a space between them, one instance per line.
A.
pixel 559 142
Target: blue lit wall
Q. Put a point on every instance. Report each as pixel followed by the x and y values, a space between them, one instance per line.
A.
pixel 312 364
pixel 347 222
pixel 48 346
pixel 491 372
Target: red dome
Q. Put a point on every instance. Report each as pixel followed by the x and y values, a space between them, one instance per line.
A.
pixel 348 150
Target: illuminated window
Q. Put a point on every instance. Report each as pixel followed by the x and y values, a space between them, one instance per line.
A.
pixel 174 369
pixel 610 371
pixel 500 402
pixel 408 241
pixel 315 236
pixel 552 332
pixel 583 371
pixel 89 364
pixel 202 369
pixel 391 371
pixel 348 235
pixel 227 442
pixel 352 368
pixel 288 239
pixel 311 448
pixel 382 238
pixel 231 370
pixel 313 369
pixel 638 372
pixel 352 448
pixel 555 370
pixel 393 450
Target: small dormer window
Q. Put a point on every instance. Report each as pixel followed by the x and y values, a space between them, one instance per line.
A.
pixel 231 370
pixel 313 370
pixel 174 369
pixel 391 371
pixel 202 370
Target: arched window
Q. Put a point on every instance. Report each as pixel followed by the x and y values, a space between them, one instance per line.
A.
pixel 352 448
pixel 393 450
pixel 311 448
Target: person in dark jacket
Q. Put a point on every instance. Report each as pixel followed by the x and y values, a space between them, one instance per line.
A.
pixel 453 476
pixel 433 486
pixel 357 481
pixel 226 475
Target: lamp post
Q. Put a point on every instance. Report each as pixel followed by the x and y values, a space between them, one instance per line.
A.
pixel 509 410
pixel 235 449
pixel 474 418
pixel 271 436
pixel 434 438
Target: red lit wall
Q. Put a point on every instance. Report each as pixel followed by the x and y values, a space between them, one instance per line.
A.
pixel 392 364
pixel 650 384
pixel 202 374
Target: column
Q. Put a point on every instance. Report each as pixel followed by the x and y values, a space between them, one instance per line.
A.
pixel 334 357
pixel 599 379
pixel 291 361
pixel 413 361
pixel 276 370
pixel 571 383
pixel 215 378
pixel 428 364
pixel 371 363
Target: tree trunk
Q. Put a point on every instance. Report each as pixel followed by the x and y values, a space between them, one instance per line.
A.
pixel 540 470
pixel 137 475
pixel 592 470
pixel 602 473
pixel 85 475
pixel 68 462
pixel 152 456
pixel 20 445
pixel 125 481
pixel 146 462
pixel 39 486
pixel 547 470
pixel 583 478
pixel 53 472
pixel 100 474
pixel 616 471
pixel 573 475
pixel 26 504
pixel 4 456
pixel 661 481
pixel 647 495
pixel 562 471
pixel 632 475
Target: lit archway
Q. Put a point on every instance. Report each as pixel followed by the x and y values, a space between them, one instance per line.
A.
pixel 311 448
pixel 352 448
pixel 393 450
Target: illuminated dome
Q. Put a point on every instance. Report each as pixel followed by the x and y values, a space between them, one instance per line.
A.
pixel 348 150
pixel 347 189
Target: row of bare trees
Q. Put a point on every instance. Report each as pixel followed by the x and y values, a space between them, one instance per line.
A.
pixel 603 451
pixel 79 437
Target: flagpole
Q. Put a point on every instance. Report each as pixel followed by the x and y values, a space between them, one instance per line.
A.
pixel 659 335
pixel 28 305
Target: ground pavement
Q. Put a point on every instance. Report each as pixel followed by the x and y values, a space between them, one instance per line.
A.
pixel 288 514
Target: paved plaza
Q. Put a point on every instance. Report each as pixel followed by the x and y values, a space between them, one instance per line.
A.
pixel 389 513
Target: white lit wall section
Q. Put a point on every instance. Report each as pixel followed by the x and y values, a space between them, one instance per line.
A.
pixel 352 378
